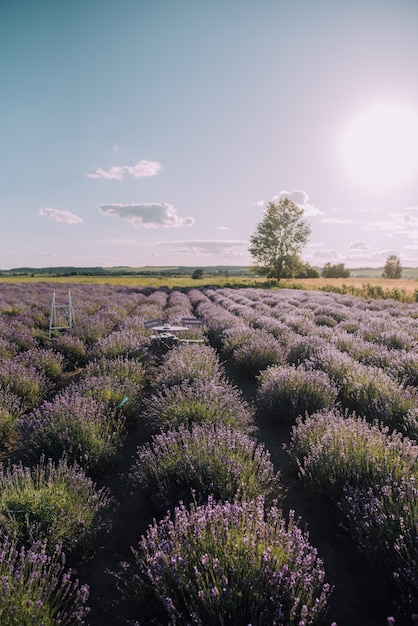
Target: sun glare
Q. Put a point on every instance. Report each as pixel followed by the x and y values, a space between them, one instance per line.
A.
pixel 379 147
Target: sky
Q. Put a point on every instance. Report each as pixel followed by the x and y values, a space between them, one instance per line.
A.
pixel 138 132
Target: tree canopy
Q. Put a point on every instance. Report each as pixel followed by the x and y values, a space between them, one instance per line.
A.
pixel 335 271
pixel 393 267
pixel 279 239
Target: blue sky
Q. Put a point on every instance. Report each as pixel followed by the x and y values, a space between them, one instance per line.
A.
pixel 153 132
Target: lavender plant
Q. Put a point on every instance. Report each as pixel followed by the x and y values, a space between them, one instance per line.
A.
pixel 128 343
pixel 333 450
pixel 25 381
pixel 224 563
pixel 55 503
pixel 257 353
pixel 205 460
pixel 186 363
pixel 46 361
pixel 119 396
pixel 201 402
pixel 286 392
pixel 84 429
pixel 121 368
pixel 382 519
pixel 73 349
pixel 10 410
pixel 35 587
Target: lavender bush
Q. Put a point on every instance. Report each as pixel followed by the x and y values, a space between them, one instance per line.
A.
pixel 205 460
pixel 35 587
pixel 73 350
pixel 128 343
pixel 382 520
pixel 286 392
pixel 201 402
pixel 186 363
pixel 257 353
pixel 121 368
pixel 25 381
pixel 56 503
pixel 85 430
pixel 333 450
pixel 10 410
pixel 119 396
pixel 46 361
pixel 230 564
pixel 375 395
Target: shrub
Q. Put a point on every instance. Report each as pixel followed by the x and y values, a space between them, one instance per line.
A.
pixel 73 349
pixel 260 351
pixel 369 391
pixel 215 562
pixel 82 428
pixel 286 392
pixel 30 385
pixel 372 393
pixel 56 503
pixel 10 410
pixel 236 336
pixel 382 520
pixel 45 361
pixel 201 402
pixel 206 460
pixel 186 363
pixel 128 343
pixel 35 588
pixel 121 368
pixel 119 396
pixel 333 450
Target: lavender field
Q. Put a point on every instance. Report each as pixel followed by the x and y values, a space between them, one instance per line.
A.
pixel 265 474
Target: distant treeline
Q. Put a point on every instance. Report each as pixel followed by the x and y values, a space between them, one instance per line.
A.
pixel 173 271
pixel 220 270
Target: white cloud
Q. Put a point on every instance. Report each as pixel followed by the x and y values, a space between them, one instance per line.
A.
pixel 221 227
pixel 300 198
pixel 358 245
pixel 147 215
pixel 142 169
pixel 60 216
pixel 401 223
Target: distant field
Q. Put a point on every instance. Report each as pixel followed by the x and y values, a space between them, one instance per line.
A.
pixel 140 281
pixel 407 286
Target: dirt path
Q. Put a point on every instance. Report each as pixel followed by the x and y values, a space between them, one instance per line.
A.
pixel 360 596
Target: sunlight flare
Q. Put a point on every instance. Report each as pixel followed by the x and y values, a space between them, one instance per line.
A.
pixel 379 147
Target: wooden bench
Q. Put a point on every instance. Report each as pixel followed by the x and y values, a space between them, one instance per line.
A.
pixel 151 323
pixel 192 322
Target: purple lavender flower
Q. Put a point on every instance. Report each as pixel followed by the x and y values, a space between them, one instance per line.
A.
pixel 208 459
pixel 215 561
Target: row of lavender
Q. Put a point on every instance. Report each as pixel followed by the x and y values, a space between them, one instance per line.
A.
pixel 349 368
pixel 327 351
pixel 58 434
pixel 50 506
pixel 225 554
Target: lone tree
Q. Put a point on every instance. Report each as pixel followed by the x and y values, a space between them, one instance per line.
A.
pixel 393 267
pixel 197 274
pixel 278 239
